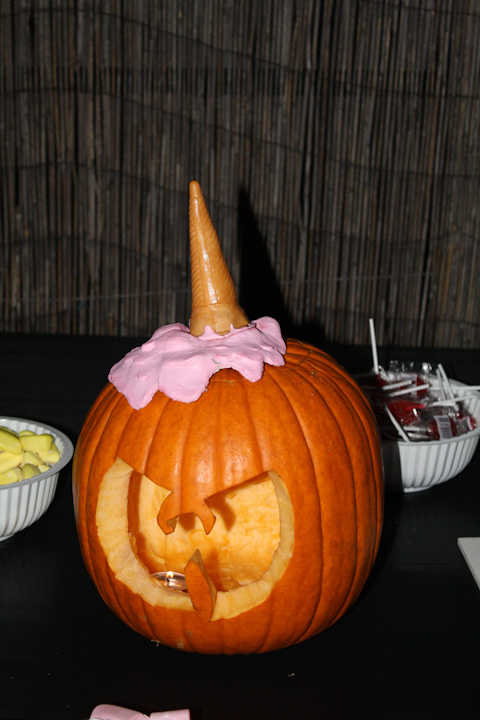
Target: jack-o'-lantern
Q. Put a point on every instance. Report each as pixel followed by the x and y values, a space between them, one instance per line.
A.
pixel 246 520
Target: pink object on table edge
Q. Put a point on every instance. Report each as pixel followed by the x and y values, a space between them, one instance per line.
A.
pixel 114 712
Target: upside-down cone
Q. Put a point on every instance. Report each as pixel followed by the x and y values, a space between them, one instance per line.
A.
pixel 214 299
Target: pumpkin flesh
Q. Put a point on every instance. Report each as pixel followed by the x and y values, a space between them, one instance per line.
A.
pixel 135 551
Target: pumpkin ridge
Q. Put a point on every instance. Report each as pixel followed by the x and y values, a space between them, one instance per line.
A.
pixel 178 500
pixel 117 605
pixel 208 515
pixel 146 615
pixel 146 412
pixel 356 571
pixel 340 372
pixel 251 422
pixel 96 410
pixel 107 573
pixel 273 376
pixel 317 604
pixel 222 447
pixel 110 594
pixel 94 418
pixel 228 376
pixel 353 411
pixel 162 423
pixel 262 643
pixel 370 434
pixel 100 417
pixel 302 351
pixel 170 406
pixel 174 497
pixel 317 360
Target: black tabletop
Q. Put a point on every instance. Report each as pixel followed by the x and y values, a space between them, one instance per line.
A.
pixel 409 647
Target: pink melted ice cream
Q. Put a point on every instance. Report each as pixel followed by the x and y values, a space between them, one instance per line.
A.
pixel 180 364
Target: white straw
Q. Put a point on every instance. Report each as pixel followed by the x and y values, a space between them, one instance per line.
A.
pixel 395 385
pixel 448 401
pixel 448 387
pixel 412 389
pixel 397 425
pixel 466 396
pixel 441 387
pixel 373 340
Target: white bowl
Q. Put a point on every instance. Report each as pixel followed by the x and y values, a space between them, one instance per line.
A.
pixel 415 466
pixel 23 502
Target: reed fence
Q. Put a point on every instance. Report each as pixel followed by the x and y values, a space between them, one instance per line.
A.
pixel 336 143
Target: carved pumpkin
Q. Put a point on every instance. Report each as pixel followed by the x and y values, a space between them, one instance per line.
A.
pixel 267 496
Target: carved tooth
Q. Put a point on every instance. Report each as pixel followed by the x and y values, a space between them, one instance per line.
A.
pixel 201 589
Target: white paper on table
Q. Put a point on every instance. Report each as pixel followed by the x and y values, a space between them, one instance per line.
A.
pixel 470 548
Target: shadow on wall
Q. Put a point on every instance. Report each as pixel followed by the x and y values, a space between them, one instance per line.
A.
pixel 259 292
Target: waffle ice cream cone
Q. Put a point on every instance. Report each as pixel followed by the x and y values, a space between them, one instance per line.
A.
pixel 214 299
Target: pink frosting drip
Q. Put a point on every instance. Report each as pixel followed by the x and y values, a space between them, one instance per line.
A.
pixel 181 365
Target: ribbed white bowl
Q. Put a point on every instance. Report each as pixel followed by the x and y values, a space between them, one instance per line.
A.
pixel 22 503
pixel 414 466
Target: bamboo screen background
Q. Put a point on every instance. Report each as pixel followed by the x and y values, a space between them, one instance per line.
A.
pixel 336 143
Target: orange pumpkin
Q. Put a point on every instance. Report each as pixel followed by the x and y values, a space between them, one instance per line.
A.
pixel 267 496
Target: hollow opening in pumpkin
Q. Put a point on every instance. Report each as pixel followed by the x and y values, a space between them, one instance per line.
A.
pixel 237 551
pixel 245 555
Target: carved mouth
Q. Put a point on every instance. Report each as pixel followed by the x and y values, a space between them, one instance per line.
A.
pixel 228 571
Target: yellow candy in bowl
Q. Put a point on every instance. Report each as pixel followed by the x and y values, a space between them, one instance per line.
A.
pixel 32 454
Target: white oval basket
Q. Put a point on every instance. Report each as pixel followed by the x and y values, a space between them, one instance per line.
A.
pixel 414 466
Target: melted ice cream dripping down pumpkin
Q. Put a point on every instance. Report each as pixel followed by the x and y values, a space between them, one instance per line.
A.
pixel 265 493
